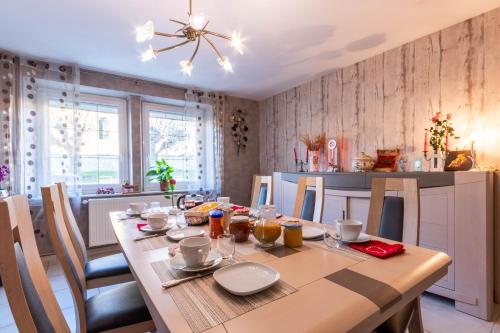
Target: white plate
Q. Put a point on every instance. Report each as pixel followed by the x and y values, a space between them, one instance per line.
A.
pixel 180 234
pixel 147 228
pixel 131 212
pixel 311 232
pixel 361 239
pixel 213 260
pixel 246 278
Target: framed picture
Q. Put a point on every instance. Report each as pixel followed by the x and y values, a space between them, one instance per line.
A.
pixel 458 160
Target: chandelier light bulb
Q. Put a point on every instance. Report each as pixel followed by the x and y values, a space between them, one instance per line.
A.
pixel 224 62
pixel 186 67
pixel 197 21
pixel 237 42
pixel 148 54
pixel 145 32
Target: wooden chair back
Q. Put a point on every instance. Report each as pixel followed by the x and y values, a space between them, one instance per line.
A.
pixel 65 252
pixel 303 183
pixel 411 196
pixel 31 298
pixel 258 183
pixel 72 225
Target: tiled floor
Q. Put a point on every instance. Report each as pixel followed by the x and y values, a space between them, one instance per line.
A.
pixel 438 313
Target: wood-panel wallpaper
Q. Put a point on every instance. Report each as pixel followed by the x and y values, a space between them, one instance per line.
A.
pixel 386 101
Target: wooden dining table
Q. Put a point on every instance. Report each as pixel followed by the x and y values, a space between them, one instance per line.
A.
pixel 321 288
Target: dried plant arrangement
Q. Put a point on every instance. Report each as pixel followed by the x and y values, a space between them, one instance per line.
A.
pixel 314 143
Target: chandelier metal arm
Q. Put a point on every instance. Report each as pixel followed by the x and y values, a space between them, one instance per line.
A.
pixel 216 34
pixel 195 50
pixel 172 47
pixel 213 46
pixel 168 35
pixel 180 22
pixel 190 7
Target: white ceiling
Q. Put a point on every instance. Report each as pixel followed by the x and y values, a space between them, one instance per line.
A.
pixel 288 41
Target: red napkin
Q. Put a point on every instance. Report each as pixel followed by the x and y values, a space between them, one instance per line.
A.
pixel 379 249
pixel 140 225
pixel 235 207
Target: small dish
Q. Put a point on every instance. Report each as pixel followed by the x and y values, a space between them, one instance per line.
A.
pixel 246 278
pixel 131 212
pixel 213 260
pixel 147 228
pixel 311 232
pixel 361 239
pixel 180 234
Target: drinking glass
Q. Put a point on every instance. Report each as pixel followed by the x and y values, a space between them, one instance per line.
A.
pixel 154 206
pixel 180 220
pixel 330 237
pixel 226 246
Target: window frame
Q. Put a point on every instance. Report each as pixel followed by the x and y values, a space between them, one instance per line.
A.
pixel 147 107
pixel 124 172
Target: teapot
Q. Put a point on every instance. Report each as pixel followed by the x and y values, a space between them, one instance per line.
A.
pixel 188 201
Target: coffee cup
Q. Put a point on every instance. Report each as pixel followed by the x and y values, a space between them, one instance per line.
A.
pixel 157 220
pixel 349 230
pixel 137 207
pixel 195 250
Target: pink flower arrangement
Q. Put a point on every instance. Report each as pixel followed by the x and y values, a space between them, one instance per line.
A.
pixel 440 132
pixel 4 173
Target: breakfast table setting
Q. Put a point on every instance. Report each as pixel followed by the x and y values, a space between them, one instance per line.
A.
pixel 220 267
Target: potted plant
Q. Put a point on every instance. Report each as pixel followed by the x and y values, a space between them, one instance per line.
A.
pixel 162 172
pixel 4 174
pixel 314 145
pixel 440 133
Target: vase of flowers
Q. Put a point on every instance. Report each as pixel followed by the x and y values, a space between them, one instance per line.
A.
pixel 314 146
pixel 4 175
pixel 438 136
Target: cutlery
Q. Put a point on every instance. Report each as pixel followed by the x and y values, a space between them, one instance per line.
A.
pixel 148 236
pixel 176 282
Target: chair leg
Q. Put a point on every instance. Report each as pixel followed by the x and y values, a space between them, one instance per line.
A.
pixel 415 325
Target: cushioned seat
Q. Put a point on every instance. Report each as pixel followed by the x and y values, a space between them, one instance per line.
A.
pixel 307 212
pixel 118 307
pixel 106 266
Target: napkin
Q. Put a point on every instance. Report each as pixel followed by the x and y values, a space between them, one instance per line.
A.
pixel 140 225
pixel 379 249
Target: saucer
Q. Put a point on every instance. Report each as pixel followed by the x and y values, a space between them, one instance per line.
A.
pixel 361 239
pixel 166 227
pixel 180 234
pixel 131 212
pixel 213 260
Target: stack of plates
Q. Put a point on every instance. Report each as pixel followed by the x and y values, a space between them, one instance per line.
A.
pixel 180 234
pixel 312 233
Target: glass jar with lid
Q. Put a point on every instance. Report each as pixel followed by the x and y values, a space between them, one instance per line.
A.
pixel 292 233
pixel 267 229
pixel 216 218
pixel 240 228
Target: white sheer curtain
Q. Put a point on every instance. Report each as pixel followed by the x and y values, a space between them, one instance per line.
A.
pixel 50 131
pixel 215 103
pixel 8 85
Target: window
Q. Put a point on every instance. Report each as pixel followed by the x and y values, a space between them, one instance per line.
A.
pixel 182 136
pixel 103 148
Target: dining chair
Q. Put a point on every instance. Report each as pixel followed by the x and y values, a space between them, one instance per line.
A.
pixel 100 272
pixel 397 218
pixel 31 299
pixel 121 309
pixel 262 189
pixel 309 202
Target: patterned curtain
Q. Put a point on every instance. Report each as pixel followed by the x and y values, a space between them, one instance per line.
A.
pixel 49 126
pixel 215 102
pixel 8 87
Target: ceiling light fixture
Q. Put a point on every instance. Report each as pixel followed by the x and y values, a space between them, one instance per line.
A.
pixel 192 31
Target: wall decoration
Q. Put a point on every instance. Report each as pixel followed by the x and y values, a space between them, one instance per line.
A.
pixel 459 160
pixel 386 160
pixel 239 129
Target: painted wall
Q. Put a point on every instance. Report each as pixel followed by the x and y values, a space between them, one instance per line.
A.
pixel 386 101
pixel 239 169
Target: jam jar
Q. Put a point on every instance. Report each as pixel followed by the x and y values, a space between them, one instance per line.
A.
pixel 216 218
pixel 240 228
pixel 292 234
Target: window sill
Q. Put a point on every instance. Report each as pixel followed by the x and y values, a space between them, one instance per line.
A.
pixel 132 194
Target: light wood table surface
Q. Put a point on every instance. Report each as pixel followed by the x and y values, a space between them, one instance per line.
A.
pixel 319 305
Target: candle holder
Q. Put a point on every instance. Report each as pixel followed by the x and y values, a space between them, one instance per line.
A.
pixel 301 164
pixel 435 159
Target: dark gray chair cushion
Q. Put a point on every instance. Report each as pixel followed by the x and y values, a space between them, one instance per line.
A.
pixel 35 305
pixel 106 266
pixel 118 307
pixel 307 212
pixel 392 221
pixel 262 195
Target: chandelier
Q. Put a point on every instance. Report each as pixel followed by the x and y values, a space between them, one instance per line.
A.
pixel 194 30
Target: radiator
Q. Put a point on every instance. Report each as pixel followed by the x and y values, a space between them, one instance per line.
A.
pixel 100 229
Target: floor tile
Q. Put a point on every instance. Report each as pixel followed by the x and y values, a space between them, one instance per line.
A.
pixel 6 315
pixel 70 315
pixel 92 292
pixel 64 298
pixel 58 282
pixel 55 270
pixel 9 329
pixel 3 296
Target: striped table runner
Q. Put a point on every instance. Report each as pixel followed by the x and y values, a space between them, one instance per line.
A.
pixel 204 304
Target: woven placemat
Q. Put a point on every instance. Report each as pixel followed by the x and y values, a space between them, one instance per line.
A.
pixel 204 304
